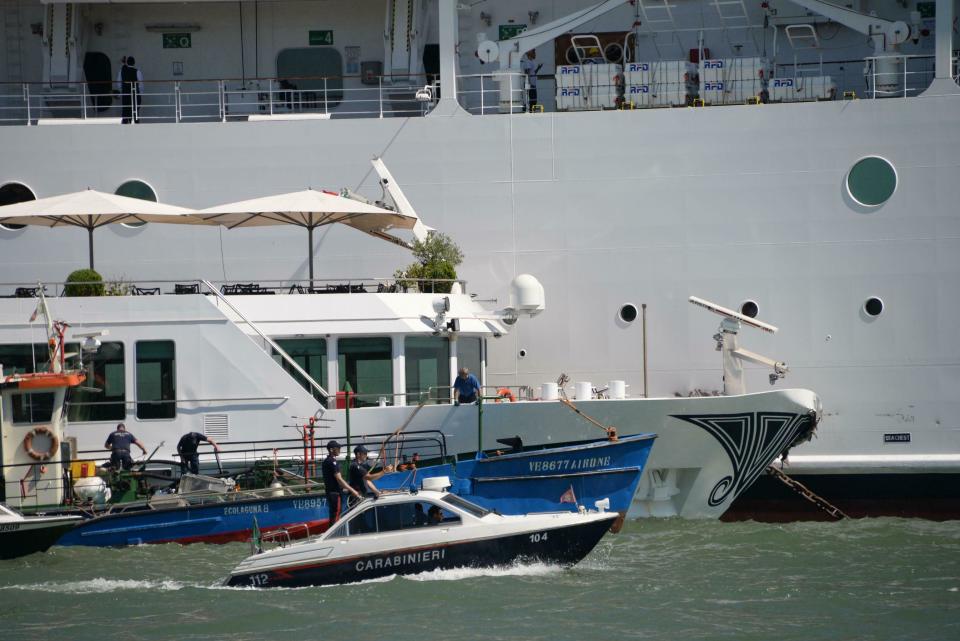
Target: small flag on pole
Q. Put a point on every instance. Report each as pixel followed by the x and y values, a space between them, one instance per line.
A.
pixel 568 496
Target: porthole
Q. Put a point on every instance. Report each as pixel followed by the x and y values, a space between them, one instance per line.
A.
pixel 749 308
pixel 613 53
pixel 628 313
pixel 11 194
pixel 873 306
pixel 872 181
pixel 136 189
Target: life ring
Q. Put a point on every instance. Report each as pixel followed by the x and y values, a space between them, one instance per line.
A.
pixel 505 394
pixel 41 456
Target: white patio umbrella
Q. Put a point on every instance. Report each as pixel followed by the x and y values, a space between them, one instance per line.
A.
pixel 311 209
pixel 91 209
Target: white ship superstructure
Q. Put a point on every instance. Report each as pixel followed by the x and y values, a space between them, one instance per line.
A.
pixel 812 179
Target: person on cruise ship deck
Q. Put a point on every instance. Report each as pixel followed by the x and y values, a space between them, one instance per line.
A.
pixel 467 386
pixel 187 449
pixel 531 69
pixel 333 482
pixel 119 443
pixel 361 478
pixel 127 77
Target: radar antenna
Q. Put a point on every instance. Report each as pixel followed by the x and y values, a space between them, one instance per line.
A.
pixel 733 355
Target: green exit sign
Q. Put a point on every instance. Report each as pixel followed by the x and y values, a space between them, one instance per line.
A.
pixel 176 41
pixel 507 31
pixel 321 38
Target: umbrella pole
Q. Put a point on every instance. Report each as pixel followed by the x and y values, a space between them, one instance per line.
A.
pixel 310 250
pixel 90 243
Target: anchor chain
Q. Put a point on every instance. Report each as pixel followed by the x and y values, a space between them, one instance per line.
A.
pixel 807 493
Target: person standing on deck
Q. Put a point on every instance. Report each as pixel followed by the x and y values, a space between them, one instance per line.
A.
pixel 119 443
pixel 127 77
pixel 466 386
pixel 334 482
pixel 361 478
pixel 531 69
pixel 187 449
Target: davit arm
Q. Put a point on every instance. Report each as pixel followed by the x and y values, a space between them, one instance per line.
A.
pixel 886 34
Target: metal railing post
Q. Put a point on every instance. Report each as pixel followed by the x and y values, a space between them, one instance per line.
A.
pixel 510 78
pixel 177 106
pixel 380 94
pixel 221 101
pixel 326 103
pixel 482 91
pixel 26 95
pixel 133 102
pixel 83 98
pixel 905 60
pixel 270 95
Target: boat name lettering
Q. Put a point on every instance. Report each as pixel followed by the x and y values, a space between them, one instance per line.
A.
pixel 639 66
pixel 309 504
pixel 9 527
pixel 245 509
pixel 563 465
pixel 903 437
pixel 640 89
pixel 400 559
pixel 713 86
pixel 569 91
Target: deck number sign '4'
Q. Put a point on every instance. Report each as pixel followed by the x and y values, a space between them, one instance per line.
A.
pixel 538 537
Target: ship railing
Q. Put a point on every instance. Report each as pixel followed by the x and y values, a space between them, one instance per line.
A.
pixel 365 285
pixel 900 76
pixel 493 93
pixel 221 100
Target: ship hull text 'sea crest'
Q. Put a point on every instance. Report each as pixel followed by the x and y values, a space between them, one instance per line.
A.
pixel 752 440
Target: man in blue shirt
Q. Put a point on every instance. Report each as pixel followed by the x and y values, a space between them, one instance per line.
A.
pixel 467 387
pixel 119 443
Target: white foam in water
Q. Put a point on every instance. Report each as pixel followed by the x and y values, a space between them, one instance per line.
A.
pixel 98 585
pixel 457 574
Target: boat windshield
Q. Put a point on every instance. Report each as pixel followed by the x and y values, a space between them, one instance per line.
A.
pixel 466 506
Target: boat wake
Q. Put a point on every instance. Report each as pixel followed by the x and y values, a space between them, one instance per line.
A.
pixel 99 585
pixel 458 574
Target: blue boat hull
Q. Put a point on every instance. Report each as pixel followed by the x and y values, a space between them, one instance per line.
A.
pixel 560 478
pixel 231 520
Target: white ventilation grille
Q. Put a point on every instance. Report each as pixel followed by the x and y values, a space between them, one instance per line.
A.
pixel 216 426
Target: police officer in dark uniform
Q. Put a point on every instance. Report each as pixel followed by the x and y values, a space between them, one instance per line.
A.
pixel 361 478
pixel 119 443
pixel 187 449
pixel 334 483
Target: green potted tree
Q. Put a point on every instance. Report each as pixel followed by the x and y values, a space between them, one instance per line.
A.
pixel 84 282
pixel 436 263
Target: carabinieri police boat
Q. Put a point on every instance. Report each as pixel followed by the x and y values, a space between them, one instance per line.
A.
pixel 410 533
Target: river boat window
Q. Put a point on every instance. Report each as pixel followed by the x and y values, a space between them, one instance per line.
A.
pixel 33 408
pixel 427 366
pixel 469 354
pixel 311 355
pixel 136 189
pixel 27 359
pixel 11 194
pixel 466 506
pixel 156 380
pixel 872 181
pixel 367 363
pixel 408 515
pixel 102 397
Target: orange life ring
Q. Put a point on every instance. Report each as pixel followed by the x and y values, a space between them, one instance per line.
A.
pixel 41 456
pixel 505 393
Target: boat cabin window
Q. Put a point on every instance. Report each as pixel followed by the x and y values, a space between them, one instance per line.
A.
pixel 102 396
pixel 24 358
pixel 367 363
pixel 427 366
pixel 466 506
pixel 156 380
pixel 33 408
pixel 469 354
pixel 311 355
pixel 415 513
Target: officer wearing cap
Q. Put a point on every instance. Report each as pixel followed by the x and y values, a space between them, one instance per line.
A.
pixel 334 482
pixel 361 478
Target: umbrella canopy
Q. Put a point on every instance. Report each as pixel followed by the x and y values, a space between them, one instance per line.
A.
pixel 91 209
pixel 311 209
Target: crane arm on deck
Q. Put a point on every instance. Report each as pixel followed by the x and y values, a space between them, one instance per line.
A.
pixel 886 34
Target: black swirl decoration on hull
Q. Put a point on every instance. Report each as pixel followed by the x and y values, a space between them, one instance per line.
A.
pixel 752 440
